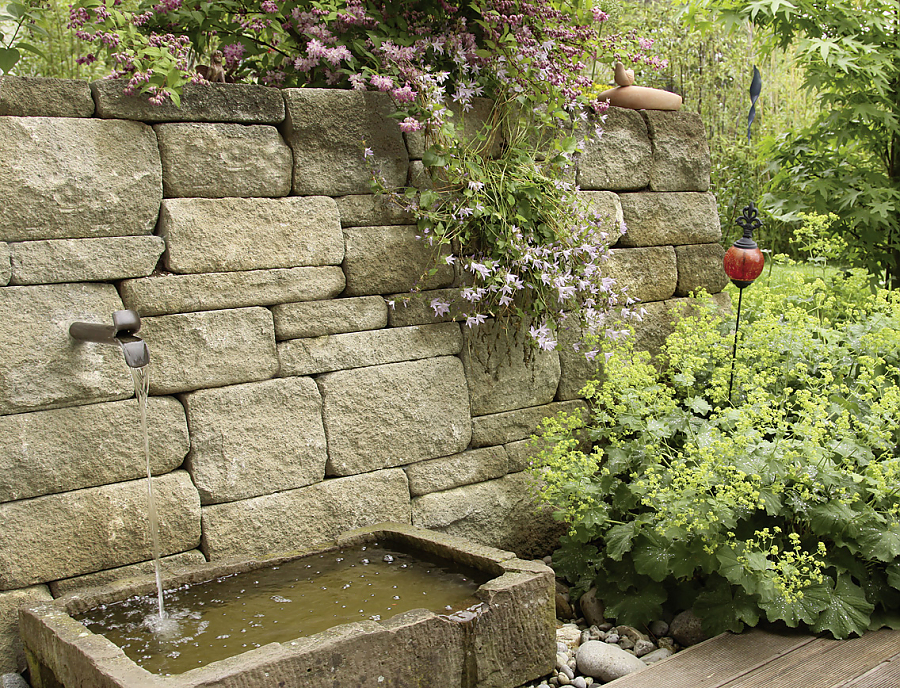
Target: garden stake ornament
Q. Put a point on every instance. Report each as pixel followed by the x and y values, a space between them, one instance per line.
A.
pixel 743 264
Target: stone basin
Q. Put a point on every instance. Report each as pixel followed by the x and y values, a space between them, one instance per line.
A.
pixel 509 640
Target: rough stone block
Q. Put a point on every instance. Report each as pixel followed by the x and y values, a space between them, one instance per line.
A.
pixel 12 657
pixel 26 96
pixel 304 517
pixel 47 452
pixel 335 316
pixel 328 130
pixel 519 455
pixel 501 513
pixel 477 121
pixel 5 264
pixel 415 309
pixel 370 210
pixel 646 274
pixel 388 259
pixel 244 103
pixel 41 366
pixel 394 414
pixel 64 535
pixel 144 568
pixel 210 349
pixel 84 260
pixel 504 371
pixel 700 266
pixel 509 426
pixel 680 151
pixel 622 158
pixel 373 347
pixel 576 369
pixel 607 204
pixel 230 234
pixel 448 472
pixel 254 439
pixel 168 293
pixel 666 219
pixel 66 178
pixel 659 321
pixel 223 160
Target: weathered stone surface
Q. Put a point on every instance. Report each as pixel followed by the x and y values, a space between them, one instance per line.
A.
pixel 665 219
pixel 576 369
pixel 700 267
pixel 246 103
pixel 328 129
pixel 448 472
pixel 227 234
pixel 66 178
pixel 608 206
pixel 12 658
pixel 335 316
pixel 687 629
pixel 41 366
pixel 25 96
pixel 469 125
pixel 622 158
pixel 680 151
pixel 519 455
pixel 416 309
pixel 254 439
pixel 90 580
pixel 47 452
pixel 64 535
pixel 168 293
pixel 646 274
pixel 504 371
pixel 500 428
pixel 501 513
pixel 304 517
pixel 387 259
pixel 374 347
pixel 5 264
pixel 210 349
pixel 369 210
pixel 394 414
pixel 84 260
pixel 221 160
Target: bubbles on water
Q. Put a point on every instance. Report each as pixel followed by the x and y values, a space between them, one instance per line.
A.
pixel 164 627
pixel 388 559
pixel 280 599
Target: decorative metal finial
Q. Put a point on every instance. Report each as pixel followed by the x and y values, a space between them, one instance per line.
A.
pixel 748 221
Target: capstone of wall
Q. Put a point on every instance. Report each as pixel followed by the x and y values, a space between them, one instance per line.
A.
pixel 298 387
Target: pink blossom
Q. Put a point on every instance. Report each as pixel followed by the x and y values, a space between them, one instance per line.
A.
pixel 382 83
pixel 404 94
pixel 269 7
pixel 358 82
pixel 410 124
pixel 233 53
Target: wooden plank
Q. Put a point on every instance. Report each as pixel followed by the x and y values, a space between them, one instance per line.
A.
pixel 716 661
pixel 885 675
pixel 824 663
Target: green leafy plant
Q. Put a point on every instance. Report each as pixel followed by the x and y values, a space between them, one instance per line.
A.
pixel 18 18
pixel 779 502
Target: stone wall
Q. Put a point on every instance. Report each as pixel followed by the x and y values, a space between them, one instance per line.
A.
pixel 293 395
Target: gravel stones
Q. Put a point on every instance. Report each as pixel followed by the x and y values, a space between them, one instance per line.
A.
pixel 592 608
pixel 687 629
pixel 605 661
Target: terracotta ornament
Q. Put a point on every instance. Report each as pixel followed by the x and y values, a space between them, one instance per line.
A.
pixel 627 95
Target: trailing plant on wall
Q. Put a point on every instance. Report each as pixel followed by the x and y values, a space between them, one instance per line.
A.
pixel 778 503
pixel 500 201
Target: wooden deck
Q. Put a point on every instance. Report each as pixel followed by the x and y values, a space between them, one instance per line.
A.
pixel 776 659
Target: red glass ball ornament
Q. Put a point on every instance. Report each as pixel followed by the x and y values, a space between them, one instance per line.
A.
pixel 744 261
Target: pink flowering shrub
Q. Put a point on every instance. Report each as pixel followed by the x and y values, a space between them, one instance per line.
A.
pixel 522 241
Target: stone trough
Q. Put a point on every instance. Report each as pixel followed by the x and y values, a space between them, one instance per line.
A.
pixel 508 640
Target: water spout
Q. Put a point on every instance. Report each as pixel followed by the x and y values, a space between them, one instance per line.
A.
pixel 121 332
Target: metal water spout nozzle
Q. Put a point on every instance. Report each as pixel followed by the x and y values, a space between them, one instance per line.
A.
pixel 121 332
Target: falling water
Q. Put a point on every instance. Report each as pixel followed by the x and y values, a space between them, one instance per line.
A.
pixel 141 390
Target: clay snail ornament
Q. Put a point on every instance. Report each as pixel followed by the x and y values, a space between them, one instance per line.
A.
pixel 627 95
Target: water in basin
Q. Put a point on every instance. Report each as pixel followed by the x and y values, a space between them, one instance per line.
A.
pixel 236 613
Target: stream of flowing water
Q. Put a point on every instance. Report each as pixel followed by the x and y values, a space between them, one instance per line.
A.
pixel 141 391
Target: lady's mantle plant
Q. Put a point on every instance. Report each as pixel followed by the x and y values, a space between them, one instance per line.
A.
pixel 781 503
pixel 500 201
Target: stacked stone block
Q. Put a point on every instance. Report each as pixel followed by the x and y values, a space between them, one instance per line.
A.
pixel 297 388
